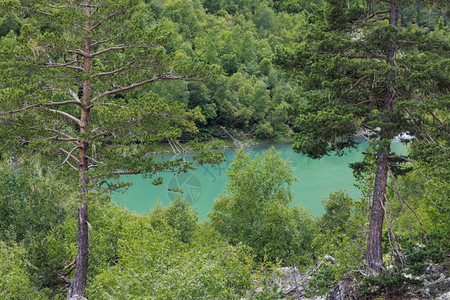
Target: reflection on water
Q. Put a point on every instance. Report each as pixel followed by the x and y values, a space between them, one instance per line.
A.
pixel 200 187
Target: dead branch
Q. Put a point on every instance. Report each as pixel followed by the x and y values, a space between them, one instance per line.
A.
pixel 378 19
pixel 118 47
pixel 411 161
pixel 62 134
pixel 62 103
pixel 353 86
pixel 424 236
pixel 106 104
pixel 114 71
pixel 101 134
pixel 69 155
pixel 106 19
pixel 68 65
pixel 77 51
pixel 75 96
pixel 66 115
pixel 167 76
pixel 391 235
pixel 437 119
pixel 380 12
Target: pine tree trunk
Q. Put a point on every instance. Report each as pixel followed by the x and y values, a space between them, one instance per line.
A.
pixel 374 253
pixel 78 286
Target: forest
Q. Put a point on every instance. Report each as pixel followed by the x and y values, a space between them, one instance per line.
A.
pixel 91 90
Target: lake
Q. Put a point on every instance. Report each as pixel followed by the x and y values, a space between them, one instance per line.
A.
pixel 201 187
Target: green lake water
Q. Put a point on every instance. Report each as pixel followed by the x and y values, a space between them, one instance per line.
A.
pixel 201 187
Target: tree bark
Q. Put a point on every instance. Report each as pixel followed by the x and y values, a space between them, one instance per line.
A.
pixel 78 286
pixel 374 253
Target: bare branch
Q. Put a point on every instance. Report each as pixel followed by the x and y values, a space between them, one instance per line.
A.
pixel 99 42
pixel 42 12
pixel 66 115
pixel 353 86
pixel 67 65
pixel 118 47
pixel 134 85
pixel 410 208
pixel 62 134
pixel 380 12
pixel 101 134
pixel 437 119
pixel 62 103
pixel 411 161
pixel 22 109
pixel 74 96
pixel 77 51
pixel 114 71
pixel 106 104
pixel 378 19
pixel 69 155
pixel 106 19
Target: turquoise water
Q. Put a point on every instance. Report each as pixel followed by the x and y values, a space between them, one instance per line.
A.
pixel 201 187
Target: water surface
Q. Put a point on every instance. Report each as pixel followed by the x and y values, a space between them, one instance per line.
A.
pixel 318 177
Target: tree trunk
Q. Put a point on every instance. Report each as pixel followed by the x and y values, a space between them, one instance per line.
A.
pixel 78 286
pixel 374 253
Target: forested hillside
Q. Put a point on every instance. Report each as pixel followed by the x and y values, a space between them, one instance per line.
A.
pixel 90 89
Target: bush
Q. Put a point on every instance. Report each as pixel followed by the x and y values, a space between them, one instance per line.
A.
pixel 256 210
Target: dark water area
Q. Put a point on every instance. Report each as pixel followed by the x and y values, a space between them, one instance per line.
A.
pixel 201 187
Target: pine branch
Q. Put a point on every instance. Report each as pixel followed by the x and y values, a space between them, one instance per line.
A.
pixel 62 134
pixel 66 115
pixel 380 12
pixel 411 161
pixel 114 71
pixel 106 19
pixel 168 76
pixel 77 51
pixel 106 104
pixel 378 19
pixel 118 47
pixel 67 65
pixel 62 103
pixel 74 96
pixel 353 87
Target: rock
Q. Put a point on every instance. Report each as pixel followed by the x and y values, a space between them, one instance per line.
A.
pixel 445 296
pixel 346 288
pixel 291 282
pixel 76 297
pixel 439 286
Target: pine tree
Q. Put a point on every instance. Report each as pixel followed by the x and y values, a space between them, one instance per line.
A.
pixel 68 93
pixel 369 76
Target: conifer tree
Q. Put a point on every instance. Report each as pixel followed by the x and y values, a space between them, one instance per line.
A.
pixel 369 76
pixel 68 93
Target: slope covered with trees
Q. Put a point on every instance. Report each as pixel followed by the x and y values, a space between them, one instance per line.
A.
pixel 88 89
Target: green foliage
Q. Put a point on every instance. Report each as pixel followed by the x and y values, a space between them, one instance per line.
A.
pixel 256 209
pixel 386 283
pixel 179 216
pixel 322 281
pixel 151 261
pixel 31 202
pixel 338 210
pixel 418 258
pixel 269 291
pixel 14 280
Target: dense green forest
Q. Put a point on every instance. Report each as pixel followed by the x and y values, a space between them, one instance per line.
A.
pixel 90 89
